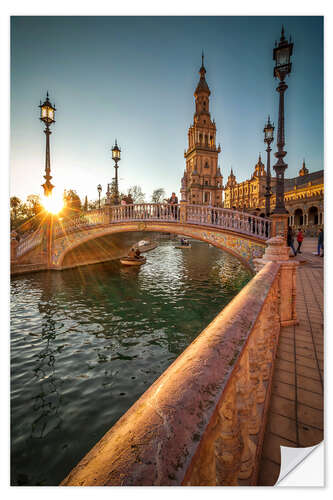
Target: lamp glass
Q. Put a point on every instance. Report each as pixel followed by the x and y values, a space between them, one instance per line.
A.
pixel 282 56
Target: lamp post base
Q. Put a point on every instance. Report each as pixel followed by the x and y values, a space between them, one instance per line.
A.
pixel 280 225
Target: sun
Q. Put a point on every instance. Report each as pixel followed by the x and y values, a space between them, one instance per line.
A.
pixel 53 203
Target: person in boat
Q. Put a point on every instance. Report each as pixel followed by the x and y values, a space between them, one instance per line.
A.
pixel 137 254
pixel 132 253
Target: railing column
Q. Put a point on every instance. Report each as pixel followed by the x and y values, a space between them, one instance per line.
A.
pixel 182 212
pixel 279 225
pixel 278 251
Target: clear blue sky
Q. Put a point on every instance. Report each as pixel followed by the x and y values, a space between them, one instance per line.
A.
pixel 133 78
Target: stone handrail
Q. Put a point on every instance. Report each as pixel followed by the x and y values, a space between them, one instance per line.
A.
pixel 29 242
pixel 229 219
pixel 202 422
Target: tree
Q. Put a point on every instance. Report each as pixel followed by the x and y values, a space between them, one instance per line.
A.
pixel 158 195
pixel 85 206
pixel 72 203
pixel 15 202
pixel 34 204
pixel 25 216
pixel 135 192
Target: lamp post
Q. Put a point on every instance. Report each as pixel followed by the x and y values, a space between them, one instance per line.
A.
pixel 47 116
pixel 116 158
pixel 99 189
pixel 268 131
pixel 281 56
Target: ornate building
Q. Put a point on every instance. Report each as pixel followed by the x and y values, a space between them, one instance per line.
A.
pixel 247 195
pixel 202 180
pixel 304 196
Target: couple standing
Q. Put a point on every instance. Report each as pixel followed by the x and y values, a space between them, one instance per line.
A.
pixel 290 240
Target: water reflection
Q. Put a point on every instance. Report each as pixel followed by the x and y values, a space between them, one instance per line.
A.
pixel 87 342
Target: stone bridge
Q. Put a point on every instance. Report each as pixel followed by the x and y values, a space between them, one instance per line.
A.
pixel 109 232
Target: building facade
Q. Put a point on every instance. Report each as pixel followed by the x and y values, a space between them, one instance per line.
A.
pixel 304 196
pixel 202 182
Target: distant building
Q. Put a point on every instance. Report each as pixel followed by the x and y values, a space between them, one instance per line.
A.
pixel 202 180
pixel 304 196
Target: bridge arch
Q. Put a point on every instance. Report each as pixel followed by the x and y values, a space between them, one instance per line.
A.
pixel 242 246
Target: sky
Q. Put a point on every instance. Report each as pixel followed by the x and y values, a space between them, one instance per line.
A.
pixel 133 78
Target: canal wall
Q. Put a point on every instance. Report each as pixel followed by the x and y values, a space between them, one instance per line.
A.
pixel 203 420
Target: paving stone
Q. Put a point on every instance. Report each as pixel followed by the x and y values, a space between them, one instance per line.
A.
pixel 308 373
pixel 310 416
pixel 271 449
pixel 285 390
pixel 287 356
pixel 309 436
pixel 283 406
pixel 310 398
pixel 309 362
pixel 283 426
pixel 284 365
pixel 284 376
pixel 309 384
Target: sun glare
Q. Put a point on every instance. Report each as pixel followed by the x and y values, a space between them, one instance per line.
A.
pixel 52 204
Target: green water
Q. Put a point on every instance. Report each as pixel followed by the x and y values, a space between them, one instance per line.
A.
pixel 87 342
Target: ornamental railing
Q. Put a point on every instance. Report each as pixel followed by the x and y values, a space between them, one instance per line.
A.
pixel 203 420
pixel 231 220
pixel 29 243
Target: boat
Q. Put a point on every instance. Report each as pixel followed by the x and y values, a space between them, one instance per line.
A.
pixel 146 246
pixel 133 261
pixel 184 244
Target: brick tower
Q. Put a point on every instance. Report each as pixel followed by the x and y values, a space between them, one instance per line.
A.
pixel 202 180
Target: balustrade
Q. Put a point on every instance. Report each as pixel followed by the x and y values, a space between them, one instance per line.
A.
pixel 232 220
pixel 29 243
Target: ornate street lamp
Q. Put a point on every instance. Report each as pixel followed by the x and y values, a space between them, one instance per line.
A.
pixel 47 116
pixel 99 189
pixel 269 138
pixel 281 56
pixel 116 158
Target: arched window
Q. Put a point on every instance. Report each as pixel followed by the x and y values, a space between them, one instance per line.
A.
pixel 298 217
pixel 313 215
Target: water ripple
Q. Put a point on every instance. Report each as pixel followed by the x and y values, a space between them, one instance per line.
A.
pixel 87 342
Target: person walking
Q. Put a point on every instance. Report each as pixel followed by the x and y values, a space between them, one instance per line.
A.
pixel 290 240
pixel 299 238
pixel 320 242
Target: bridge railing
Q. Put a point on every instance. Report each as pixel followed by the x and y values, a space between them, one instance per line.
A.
pixel 193 214
pixel 145 211
pixel 229 219
pixel 92 218
pixel 202 421
pixel 30 242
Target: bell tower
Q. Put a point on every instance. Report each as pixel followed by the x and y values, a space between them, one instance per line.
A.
pixel 202 180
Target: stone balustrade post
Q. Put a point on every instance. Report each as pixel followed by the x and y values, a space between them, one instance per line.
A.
pixel 182 211
pixel 277 251
pixel 279 225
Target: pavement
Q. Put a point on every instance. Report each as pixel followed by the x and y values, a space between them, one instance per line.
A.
pixel 295 416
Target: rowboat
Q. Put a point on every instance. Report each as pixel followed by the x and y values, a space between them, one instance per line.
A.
pixel 132 261
pixel 183 246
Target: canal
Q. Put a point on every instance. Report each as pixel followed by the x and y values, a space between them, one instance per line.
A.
pixel 87 342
